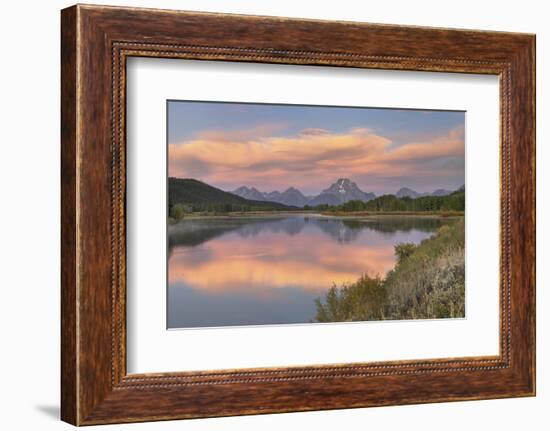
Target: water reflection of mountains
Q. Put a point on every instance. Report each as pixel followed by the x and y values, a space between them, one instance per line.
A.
pixel 195 232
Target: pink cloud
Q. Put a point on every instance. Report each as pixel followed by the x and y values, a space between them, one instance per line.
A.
pixel 311 158
pixel 256 132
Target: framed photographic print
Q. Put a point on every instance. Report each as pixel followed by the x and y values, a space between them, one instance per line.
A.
pixel 267 215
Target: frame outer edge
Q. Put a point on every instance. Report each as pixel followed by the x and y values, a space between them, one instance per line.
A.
pixel 532 101
pixel 523 217
pixel 533 53
pixel 69 196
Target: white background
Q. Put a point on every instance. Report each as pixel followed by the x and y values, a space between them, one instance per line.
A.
pixel 29 228
pixel 151 348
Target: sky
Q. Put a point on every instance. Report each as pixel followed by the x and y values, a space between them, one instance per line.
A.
pixel 274 147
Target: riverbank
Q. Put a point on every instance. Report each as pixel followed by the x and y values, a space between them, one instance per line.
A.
pixel 238 215
pixel 394 213
pixel 340 214
pixel 427 282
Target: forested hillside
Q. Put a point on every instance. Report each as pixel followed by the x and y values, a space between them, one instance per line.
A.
pixel 189 195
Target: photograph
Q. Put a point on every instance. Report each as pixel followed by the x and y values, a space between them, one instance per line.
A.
pixel 304 214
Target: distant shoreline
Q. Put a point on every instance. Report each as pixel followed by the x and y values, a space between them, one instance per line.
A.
pixel 339 214
pixel 394 213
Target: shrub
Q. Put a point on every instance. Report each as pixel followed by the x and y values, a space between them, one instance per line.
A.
pixel 362 300
pixel 404 250
pixel 177 211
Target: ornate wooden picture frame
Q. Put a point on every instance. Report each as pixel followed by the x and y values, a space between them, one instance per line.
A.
pixel 96 41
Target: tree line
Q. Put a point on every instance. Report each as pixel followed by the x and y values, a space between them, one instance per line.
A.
pixel 453 202
pixel 178 211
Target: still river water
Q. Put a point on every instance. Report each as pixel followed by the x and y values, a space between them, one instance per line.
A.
pixel 269 270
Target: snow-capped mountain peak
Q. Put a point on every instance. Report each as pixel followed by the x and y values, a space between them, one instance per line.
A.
pixel 346 190
pixel 343 190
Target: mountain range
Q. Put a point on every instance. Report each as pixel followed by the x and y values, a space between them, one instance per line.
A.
pixel 342 191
